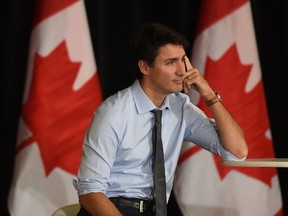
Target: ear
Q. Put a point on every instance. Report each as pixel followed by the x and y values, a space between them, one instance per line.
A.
pixel 144 68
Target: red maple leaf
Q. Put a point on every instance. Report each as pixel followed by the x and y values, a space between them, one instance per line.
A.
pixel 56 115
pixel 229 77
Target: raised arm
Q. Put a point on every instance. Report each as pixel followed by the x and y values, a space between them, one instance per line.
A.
pixel 231 134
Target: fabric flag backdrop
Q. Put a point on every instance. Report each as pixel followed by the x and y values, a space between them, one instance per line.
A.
pixel 62 92
pixel 225 51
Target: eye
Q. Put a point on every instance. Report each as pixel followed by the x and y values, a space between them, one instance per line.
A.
pixel 171 62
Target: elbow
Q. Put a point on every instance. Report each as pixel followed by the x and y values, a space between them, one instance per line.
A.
pixel 242 155
pixel 242 152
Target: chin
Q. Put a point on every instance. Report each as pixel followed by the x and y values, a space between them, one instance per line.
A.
pixel 176 90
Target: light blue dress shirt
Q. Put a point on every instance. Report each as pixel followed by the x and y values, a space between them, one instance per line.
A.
pixel 117 149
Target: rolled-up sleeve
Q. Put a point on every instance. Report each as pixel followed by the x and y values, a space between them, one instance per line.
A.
pixel 85 186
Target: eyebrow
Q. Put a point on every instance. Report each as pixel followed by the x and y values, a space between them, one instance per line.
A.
pixel 176 58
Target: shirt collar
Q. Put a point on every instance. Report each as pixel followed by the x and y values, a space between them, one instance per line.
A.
pixel 142 102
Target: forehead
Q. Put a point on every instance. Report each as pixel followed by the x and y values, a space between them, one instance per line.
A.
pixel 171 51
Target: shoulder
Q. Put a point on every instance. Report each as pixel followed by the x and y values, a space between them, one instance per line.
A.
pixel 117 102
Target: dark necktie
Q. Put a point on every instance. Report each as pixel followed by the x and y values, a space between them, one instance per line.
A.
pixel 158 165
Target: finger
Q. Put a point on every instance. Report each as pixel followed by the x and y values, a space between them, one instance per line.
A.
pixel 191 74
pixel 188 64
pixel 185 88
pixel 188 82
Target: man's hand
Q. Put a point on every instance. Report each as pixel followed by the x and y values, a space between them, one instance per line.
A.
pixel 194 80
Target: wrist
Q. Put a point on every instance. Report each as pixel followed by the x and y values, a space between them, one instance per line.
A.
pixel 217 98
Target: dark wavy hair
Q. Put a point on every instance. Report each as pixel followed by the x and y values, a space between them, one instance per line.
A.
pixel 146 42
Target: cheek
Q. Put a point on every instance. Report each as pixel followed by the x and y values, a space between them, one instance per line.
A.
pixel 162 77
pixel 163 74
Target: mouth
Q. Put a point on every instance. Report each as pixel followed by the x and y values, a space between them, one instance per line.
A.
pixel 178 81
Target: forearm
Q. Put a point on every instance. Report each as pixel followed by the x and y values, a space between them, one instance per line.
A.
pixel 231 134
pixel 97 204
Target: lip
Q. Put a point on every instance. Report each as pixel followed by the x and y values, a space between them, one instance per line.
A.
pixel 178 81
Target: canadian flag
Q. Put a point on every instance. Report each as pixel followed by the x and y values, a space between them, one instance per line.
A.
pixel 61 93
pixel 225 51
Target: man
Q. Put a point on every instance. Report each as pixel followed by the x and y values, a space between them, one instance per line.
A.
pixel 116 173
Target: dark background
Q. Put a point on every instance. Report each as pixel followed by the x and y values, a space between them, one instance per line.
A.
pixel 111 25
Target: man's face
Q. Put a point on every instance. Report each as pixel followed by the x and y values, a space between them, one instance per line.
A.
pixel 166 75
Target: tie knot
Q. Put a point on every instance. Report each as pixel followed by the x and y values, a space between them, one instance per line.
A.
pixel 158 116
